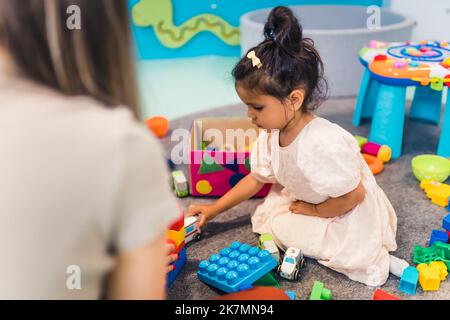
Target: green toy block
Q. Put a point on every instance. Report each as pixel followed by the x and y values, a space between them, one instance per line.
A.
pixel 439 251
pixel 361 141
pixel 267 280
pixel 209 166
pixel 319 292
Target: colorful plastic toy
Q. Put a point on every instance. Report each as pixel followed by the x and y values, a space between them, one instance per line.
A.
pixel 182 258
pixel 429 278
pixel 293 262
pixel 438 235
pixel 267 280
pixel 408 281
pixel 383 295
pixel 266 242
pixel 375 165
pixel 290 294
pixel 439 193
pixel 390 70
pixel 446 222
pixel 235 267
pixel 437 252
pixel 361 140
pixel 179 184
pixel 319 292
pixel 191 228
pixel 440 268
pixel 176 236
pixel 382 152
pixel 431 167
pixel 159 125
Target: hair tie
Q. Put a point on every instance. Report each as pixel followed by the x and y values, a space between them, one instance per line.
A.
pixel 255 60
pixel 270 33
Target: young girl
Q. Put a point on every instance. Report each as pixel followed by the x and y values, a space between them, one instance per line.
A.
pixel 324 201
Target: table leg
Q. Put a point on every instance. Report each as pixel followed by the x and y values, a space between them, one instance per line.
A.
pixel 366 99
pixel 427 105
pixel 444 140
pixel 389 118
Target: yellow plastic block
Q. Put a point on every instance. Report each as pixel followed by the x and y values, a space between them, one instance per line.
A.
pixel 440 268
pixel 428 278
pixel 436 191
pixel 177 236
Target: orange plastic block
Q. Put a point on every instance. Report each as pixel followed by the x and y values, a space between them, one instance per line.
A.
pixel 159 125
pixel 440 268
pixel 429 278
pixel 177 236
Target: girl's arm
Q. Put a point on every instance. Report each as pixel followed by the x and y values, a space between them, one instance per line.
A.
pixel 332 207
pixel 245 189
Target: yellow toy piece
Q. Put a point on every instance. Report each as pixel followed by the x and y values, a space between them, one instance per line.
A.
pixel 440 268
pixel 428 277
pixel 436 191
pixel 177 236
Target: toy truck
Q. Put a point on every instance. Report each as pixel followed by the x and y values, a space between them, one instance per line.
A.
pixel 191 229
pixel 179 184
pixel 292 263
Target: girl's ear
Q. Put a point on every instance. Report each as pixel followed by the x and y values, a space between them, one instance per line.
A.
pixel 297 97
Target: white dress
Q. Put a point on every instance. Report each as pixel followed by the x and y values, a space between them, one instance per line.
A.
pixel 324 161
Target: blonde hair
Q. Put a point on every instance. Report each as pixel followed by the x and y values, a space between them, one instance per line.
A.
pixel 95 60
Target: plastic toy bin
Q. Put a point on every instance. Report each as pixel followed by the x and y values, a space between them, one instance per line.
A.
pixel 216 169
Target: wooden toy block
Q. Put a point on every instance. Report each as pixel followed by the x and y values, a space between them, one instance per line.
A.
pixel 440 268
pixel 428 278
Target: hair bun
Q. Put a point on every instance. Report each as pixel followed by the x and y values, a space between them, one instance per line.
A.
pixel 283 27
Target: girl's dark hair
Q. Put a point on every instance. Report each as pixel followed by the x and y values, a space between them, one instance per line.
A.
pixel 96 60
pixel 289 62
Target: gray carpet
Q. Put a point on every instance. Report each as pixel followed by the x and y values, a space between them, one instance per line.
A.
pixel 417 216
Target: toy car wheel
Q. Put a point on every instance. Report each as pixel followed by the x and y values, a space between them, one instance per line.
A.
pixel 295 275
pixel 301 264
pixel 198 237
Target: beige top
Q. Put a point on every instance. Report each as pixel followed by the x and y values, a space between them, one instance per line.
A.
pixel 76 179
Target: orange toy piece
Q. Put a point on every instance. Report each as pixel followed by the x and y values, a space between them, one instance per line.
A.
pixel 159 125
pixel 375 165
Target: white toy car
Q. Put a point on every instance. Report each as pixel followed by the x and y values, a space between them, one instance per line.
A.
pixel 191 228
pixel 292 263
pixel 266 243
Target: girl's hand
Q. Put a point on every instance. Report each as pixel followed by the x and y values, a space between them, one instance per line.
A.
pixel 304 208
pixel 205 211
pixel 170 257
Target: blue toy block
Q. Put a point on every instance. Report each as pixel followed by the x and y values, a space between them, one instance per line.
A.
pixel 182 258
pixel 438 235
pixel 408 281
pixel 446 221
pixel 290 294
pixel 236 267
